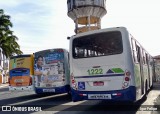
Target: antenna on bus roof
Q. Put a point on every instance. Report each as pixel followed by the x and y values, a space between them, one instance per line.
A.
pixel 86 14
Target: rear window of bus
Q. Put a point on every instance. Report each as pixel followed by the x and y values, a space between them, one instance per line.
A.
pixel 95 45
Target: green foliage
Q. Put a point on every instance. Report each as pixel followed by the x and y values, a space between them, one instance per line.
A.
pixel 8 41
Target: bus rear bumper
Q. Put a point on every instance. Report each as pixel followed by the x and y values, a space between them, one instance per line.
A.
pixel 128 94
pixel 21 88
pixel 62 89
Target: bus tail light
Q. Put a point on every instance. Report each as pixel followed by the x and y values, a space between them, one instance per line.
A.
pixel 127 73
pixel 73 81
pixel 125 84
pixel 63 78
pixel 9 81
pixel 126 80
pixel 30 81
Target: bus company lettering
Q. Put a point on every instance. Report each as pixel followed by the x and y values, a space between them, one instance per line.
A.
pixel 36 109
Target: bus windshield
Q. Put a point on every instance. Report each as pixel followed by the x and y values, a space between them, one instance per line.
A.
pixel 95 45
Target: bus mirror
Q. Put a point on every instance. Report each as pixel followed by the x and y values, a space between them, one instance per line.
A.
pixel 68 38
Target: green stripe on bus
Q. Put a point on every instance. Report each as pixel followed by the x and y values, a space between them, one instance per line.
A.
pixel 117 70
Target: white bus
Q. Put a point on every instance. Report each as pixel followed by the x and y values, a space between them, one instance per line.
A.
pixel 109 64
pixel 51 71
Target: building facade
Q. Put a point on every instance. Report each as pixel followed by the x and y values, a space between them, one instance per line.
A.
pixel 4 68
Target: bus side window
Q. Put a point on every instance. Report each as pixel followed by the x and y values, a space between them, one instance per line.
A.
pixel 151 62
pixel 68 56
pixel 134 50
pixel 144 57
pixel 138 53
pixel 147 59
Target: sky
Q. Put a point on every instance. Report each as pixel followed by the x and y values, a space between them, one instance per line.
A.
pixel 44 24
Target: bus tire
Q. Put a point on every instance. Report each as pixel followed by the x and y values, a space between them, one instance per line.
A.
pixel 74 100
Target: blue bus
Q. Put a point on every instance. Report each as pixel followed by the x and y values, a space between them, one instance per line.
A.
pixel 51 71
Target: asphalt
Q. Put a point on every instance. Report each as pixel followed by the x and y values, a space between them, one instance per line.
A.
pixel 153 99
pixel 156 102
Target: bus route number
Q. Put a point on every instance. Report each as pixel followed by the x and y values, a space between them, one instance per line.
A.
pixel 95 71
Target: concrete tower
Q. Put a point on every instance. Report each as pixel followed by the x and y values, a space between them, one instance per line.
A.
pixel 86 14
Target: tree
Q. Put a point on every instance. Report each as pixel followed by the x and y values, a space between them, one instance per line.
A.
pixel 8 41
pixel 5 22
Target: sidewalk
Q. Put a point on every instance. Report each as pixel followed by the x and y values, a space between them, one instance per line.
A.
pixel 156 102
pixel 156 86
pixel 3 85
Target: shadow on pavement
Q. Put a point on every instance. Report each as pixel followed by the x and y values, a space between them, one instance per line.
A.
pixel 21 98
pixel 107 107
pixel 157 100
pixel 52 103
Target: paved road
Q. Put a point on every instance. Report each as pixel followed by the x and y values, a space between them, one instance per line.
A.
pixel 4 89
pixel 62 104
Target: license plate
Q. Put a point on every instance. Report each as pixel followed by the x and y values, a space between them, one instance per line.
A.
pixel 18 80
pixel 48 90
pixel 99 96
pixel 98 83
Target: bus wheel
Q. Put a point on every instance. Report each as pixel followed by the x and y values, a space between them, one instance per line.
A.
pixel 74 100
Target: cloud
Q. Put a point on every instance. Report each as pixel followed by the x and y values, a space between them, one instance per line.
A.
pixel 43 24
pixel 40 25
pixel 141 17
